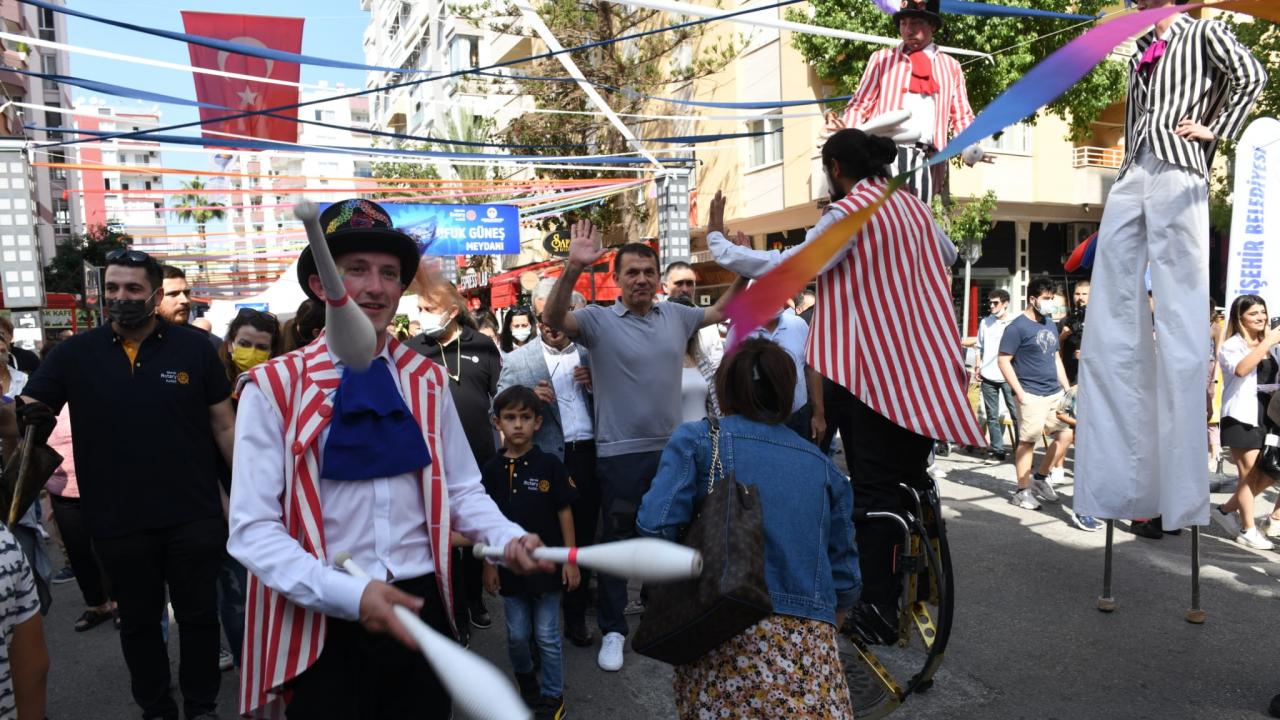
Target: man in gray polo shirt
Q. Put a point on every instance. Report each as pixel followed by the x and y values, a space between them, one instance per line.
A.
pixel 637 350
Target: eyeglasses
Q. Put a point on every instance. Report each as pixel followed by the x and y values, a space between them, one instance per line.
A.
pixel 993 303
pixel 249 313
pixel 125 256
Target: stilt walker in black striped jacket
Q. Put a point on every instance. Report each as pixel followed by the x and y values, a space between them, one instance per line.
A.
pixel 1140 447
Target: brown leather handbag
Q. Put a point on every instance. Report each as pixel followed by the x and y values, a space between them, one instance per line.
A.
pixel 685 620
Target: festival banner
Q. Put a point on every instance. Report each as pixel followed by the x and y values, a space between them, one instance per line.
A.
pixel 276 33
pixel 441 229
pixel 1253 267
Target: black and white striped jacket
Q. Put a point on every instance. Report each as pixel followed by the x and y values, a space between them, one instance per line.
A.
pixel 1206 75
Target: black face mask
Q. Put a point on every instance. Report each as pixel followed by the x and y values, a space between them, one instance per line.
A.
pixel 129 314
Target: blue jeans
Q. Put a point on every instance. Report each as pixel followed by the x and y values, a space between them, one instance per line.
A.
pixel 232 581
pixel 537 616
pixel 991 393
pixel 624 479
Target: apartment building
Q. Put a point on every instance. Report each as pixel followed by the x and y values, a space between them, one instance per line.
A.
pixel 31 101
pixel 261 236
pixel 125 192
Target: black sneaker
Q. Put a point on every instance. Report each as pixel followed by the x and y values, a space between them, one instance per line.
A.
pixel 65 575
pixel 1149 529
pixel 874 623
pixel 529 687
pixel 480 616
pixel 549 708
pixel 577 633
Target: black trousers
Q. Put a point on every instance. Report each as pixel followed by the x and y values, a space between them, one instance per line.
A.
pixel 80 553
pixel 580 460
pixel 837 404
pixel 373 677
pixel 881 456
pixel 624 479
pixel 140 565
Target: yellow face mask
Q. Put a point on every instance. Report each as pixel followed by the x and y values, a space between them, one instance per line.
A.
pixel 246 358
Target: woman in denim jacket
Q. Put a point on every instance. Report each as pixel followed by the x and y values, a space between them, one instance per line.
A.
pixel 786 665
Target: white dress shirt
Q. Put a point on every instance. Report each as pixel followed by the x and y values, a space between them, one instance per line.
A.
pixel 575 419
pixel 1240 394
pixel 922 107
pixel 381 522
pixel 989 334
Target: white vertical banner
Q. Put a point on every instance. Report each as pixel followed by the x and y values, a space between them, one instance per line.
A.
pixel 1253 266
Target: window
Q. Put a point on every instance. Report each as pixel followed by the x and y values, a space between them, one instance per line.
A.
pixel 464 53
pixel 61 212
pixel 766 149
pixel 49 66
pixel 53 119
pixel 106 183
pixel 47 25
pixel 325 116
pixel 1015 139
pixel 148 184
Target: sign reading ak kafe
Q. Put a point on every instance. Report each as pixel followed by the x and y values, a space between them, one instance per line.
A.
pixel 458 229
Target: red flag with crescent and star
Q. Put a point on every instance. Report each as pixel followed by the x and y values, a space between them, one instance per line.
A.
pixel 240 94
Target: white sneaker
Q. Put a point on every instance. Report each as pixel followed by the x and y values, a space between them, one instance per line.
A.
pixel 610 657
pixel 226 660
pixel 1024 500
pixel 1225 520
pixel 1058 477
pixel 1272 530
pixel 1043 489
pixel 1254 539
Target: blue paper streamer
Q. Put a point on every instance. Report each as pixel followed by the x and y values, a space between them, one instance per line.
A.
pixel 984 9
pixel 763 105
pixel 239 144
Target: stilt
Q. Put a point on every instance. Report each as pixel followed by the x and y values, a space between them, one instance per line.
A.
pixel 1195 615
pixel 1106 603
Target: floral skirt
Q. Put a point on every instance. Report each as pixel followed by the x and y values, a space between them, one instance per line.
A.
pixel 781 667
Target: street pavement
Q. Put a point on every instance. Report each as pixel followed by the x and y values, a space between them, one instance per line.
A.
pixel 1027 643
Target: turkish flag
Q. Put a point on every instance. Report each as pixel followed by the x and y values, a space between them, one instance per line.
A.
pixel 275 33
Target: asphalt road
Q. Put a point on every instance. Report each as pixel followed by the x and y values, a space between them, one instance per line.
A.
pixel 1028 641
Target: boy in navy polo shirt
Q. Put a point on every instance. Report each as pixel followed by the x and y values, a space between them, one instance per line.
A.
pixel 531 488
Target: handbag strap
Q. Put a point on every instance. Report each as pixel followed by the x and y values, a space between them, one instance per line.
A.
pixel 717 468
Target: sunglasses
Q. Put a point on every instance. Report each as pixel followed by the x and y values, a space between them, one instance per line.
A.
pixel 248 313
pixel 124 256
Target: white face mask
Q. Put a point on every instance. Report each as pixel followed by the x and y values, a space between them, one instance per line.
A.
pixel 1046 307
pixel 433 324
pixel 521 334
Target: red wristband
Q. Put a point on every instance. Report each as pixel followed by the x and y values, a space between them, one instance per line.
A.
pixel 573 556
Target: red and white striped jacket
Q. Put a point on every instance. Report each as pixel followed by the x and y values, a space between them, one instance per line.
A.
pixel 282 639
pixel 883 325
pixel 885 82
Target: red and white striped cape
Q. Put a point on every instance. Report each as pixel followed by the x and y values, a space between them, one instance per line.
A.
pixel 885 82
pixel 282 639
pixel 883 325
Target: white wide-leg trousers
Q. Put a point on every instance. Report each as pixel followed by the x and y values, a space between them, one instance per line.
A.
pixel 1141 441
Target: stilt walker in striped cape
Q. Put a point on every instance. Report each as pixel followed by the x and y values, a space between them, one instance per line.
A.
pixel 884 328
pixel 371 463
pixel 913 76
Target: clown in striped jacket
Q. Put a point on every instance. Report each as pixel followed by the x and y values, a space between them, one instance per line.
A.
pixel 285 410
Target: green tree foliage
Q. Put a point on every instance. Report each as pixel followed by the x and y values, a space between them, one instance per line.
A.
pixel 968 222
pixel 1263 39
pixel 65 273
pixel 458 125
pixel 1016 45
pixel 660 64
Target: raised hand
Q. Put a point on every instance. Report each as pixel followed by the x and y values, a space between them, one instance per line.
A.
pixel 715 223
pixel 742 239
pixel 584 244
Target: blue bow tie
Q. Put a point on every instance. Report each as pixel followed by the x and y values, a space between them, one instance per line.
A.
pixel 373 434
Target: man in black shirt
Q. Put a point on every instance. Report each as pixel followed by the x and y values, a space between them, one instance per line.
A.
pixel 19 357
pixel 1071 330
pixel 146 397
pixel 175 302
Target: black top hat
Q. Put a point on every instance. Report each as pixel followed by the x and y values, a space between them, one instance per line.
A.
pixel 357 225
pixel 927 9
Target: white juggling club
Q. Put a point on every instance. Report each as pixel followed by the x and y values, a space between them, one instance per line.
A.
pixel 905 137
pixel 348 330
pixel 646 559
pixel 479 690
pixel 972 155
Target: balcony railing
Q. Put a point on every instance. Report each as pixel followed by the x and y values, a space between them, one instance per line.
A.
pixel 1109 157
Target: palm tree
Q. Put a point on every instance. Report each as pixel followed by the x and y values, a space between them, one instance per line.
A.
pixel 196 207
